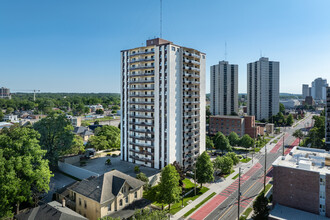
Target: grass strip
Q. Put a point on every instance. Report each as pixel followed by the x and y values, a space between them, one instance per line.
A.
pixel 245 160
pixel 235 176
pixel 247 212
pixel 225 176
pixel 199 205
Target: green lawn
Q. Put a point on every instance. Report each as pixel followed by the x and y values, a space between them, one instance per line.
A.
pixel 247 212
pixel 199 205
pixel 106 118
pixel 235 177
pixel 245 160
pixel 268 187
pixel 225 176
pixel 178 205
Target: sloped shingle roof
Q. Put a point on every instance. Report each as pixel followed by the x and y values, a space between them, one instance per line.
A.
pixel 106 186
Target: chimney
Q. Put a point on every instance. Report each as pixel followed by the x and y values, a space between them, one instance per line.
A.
pixel 63 202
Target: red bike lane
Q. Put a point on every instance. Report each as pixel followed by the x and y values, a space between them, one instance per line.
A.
pixel 204 211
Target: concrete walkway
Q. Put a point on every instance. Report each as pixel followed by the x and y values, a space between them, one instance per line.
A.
pixel 222 184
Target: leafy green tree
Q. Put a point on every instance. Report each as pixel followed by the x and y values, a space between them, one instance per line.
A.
pixel 56 136
pixel 221 142
pixel 76 147
pixel 246 141
pixel 289 120
pixel 298 134
pixel 24 174
pixel 224 164
pixel 208 114
pixel 233 157
pixel 260 207
pixel 209 143
pixel 137 169
pixel 149 214
pixel 1 115
pixel 204 169
pixel 106 137
pixel 282 108
pixel 141 176
pixel 99 111
pixel 169 189
pixel 9 110
pixel 233 138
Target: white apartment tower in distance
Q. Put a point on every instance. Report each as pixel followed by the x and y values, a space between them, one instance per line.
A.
pixel 305 91
pixel 224 88
pixel 263 93
pixel 163 104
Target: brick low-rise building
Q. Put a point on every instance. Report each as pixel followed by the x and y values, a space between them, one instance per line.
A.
pixel 240 125
pixel 301 180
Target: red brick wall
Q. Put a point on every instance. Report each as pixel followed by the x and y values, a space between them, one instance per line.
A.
pixel 218 124
pixel 296 188
pixel 327 197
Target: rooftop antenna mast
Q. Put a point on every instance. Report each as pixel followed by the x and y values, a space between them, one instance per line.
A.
pixel 161 18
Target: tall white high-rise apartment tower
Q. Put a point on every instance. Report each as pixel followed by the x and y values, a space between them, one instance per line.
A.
pixel 305 91
pixel 224 88
pixel 263 79
pixel 163 104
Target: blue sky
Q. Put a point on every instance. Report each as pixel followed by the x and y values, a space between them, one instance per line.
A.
pixel 74 45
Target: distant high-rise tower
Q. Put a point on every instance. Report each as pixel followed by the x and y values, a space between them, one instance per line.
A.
pixel 319 86
pixel 305 90
pixel 263 78
pixel 224 88
pixel 327 121
pixel 163 104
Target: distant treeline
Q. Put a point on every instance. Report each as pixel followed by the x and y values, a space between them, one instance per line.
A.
pixel 74 102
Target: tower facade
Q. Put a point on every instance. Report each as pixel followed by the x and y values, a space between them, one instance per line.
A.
pixel 224 88
pixel 163 104
pixel 263 79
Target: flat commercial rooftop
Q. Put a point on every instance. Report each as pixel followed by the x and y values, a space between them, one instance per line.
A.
pixel 283 212
pixel 311 159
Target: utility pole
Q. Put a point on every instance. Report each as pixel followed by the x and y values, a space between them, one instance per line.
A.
pixel 239 191
pixel 283 141
pixel 265 168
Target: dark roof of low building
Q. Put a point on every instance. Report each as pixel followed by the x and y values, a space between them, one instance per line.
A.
pixel 50 211
pixel 82 130
pixel 107 186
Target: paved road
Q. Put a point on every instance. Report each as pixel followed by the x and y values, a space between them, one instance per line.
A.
pixel 224 205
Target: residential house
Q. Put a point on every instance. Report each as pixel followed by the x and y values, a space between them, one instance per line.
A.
pixel 97 197
pixel 83 132
pixel 50 211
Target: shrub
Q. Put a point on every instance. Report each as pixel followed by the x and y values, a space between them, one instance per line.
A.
pixel 108 154
pixel 114 155
pixel 137 169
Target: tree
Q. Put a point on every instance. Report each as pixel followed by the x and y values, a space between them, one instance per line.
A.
pixel 1 115
pixel 233 138
pixel 180 171
pixel 233 157
pixel 141 176
pixel 224 164
pixel 169 189
pixel 209 143
pixel 260 207
pixel 99 111
pixel 282 108
pixel 149 214
pixel 76 147
pixel 24 174
pixel 289 120
pixel 106 137
pixel 9 110
pixel 298 134
pixel 204 169
pixel 221 142
pixel 136 169
pixel 56 136
pixel 108 162
pixel 246 141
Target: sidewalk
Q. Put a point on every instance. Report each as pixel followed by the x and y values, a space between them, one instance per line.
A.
pixel 222 184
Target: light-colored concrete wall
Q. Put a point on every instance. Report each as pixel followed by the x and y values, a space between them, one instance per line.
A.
pixel 75 171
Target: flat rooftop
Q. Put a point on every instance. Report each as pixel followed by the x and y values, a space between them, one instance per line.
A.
pixel 311 159
pixel 283 212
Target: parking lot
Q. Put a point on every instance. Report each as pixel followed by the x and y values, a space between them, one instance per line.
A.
pixel 98 165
